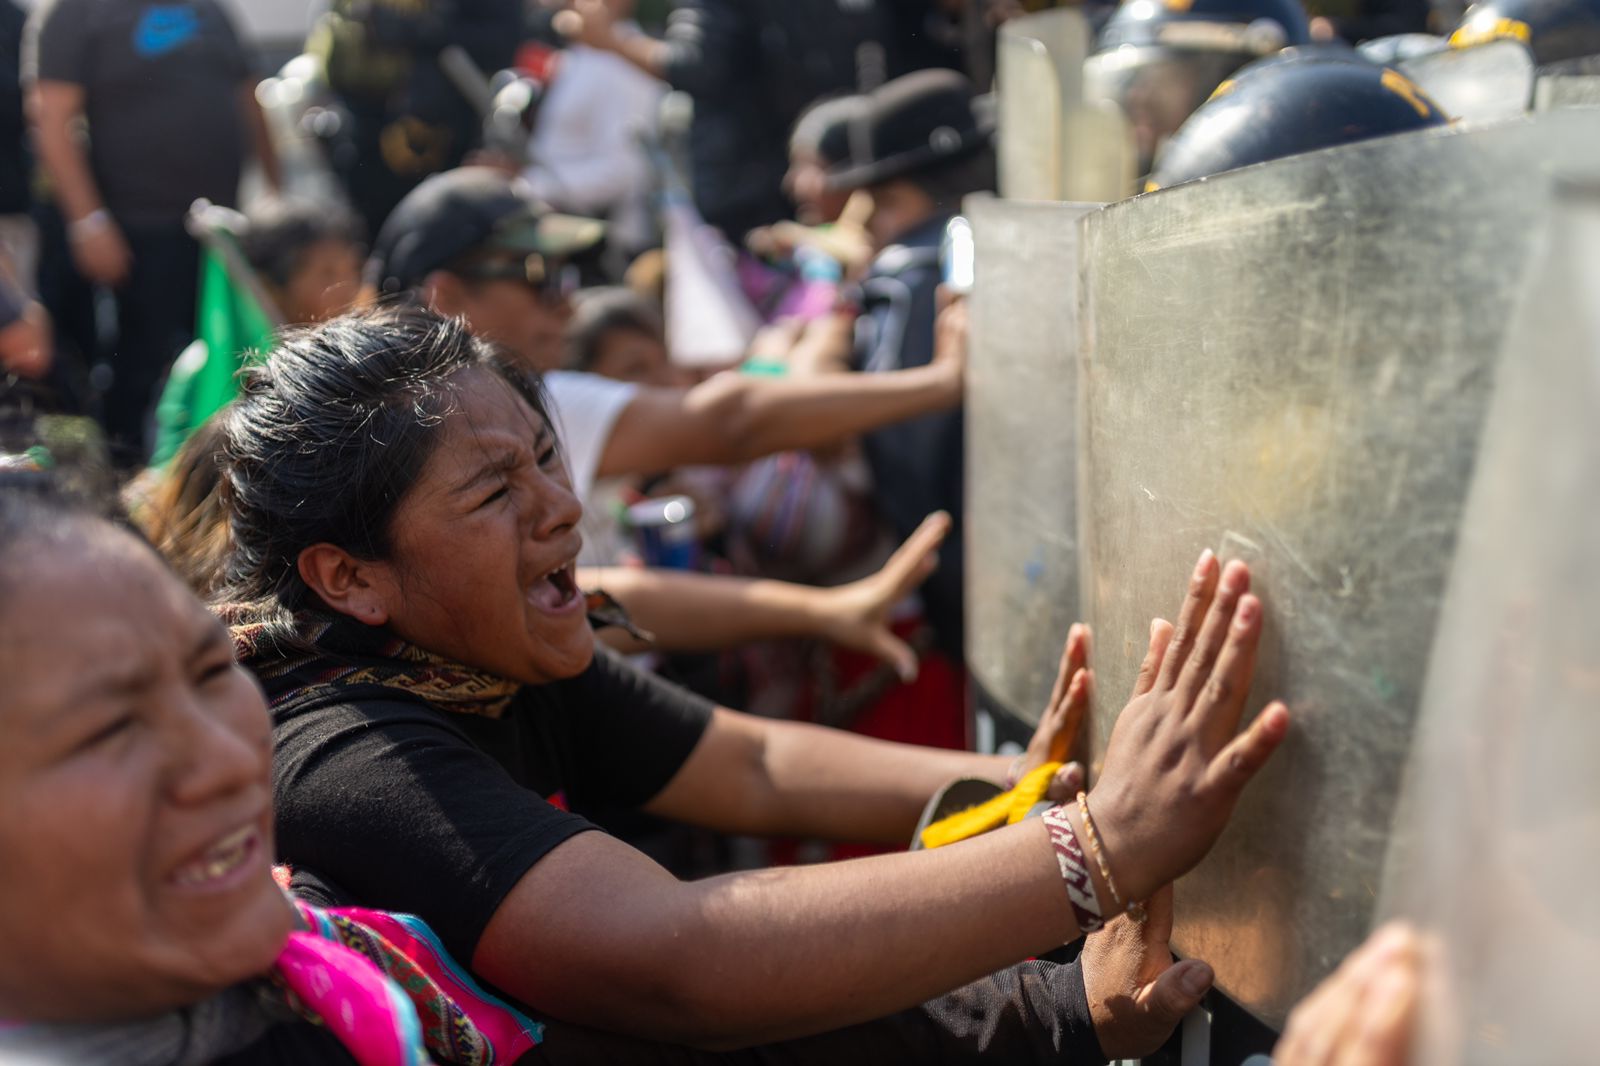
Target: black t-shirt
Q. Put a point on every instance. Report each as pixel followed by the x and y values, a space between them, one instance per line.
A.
pixel 161 85
pixel 407 807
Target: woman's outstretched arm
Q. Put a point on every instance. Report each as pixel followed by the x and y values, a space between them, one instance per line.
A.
pixel 597 933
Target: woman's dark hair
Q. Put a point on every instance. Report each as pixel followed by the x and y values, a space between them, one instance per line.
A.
pixel 278 235
pixel 184 517
pixel 607 309
pixel 327 437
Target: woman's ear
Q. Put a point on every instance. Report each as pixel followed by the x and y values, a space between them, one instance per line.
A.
pixel 363 590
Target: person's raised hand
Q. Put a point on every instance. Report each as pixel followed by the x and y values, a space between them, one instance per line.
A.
pixel 589 22
pixel 100 251
pixel 1176 761
pixel 1364 1013
pixel 856 615
pixel 1137 996
pixel 1062 719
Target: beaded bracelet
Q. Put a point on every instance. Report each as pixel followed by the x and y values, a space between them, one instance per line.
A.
pixel 1074 870
pixel 1135 910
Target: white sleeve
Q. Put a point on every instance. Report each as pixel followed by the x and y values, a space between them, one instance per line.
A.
pixel 585 408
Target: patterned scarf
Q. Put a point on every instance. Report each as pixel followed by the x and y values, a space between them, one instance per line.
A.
pixel 338 655
pixel 342 654
pixel 380 983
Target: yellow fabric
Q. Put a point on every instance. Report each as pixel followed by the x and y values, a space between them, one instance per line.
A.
pixel 1007 808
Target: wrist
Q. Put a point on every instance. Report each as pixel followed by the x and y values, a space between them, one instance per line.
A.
pixel 91 224
pixel 1102 890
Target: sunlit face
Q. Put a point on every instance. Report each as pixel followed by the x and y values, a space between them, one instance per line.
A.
pixel 135 791
pixel 517 316
pixel 629 355
pixel 324 285
pixel 485 544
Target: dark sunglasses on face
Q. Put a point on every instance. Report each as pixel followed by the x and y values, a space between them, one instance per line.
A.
pixel 553 282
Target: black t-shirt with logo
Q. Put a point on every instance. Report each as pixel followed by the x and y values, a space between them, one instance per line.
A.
pixel 162 84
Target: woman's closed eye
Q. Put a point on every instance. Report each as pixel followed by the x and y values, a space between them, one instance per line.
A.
pixel 112 729
pixel 499 493
pixel 216 670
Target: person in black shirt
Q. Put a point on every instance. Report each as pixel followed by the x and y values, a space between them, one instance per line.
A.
pixel 401 579
pixel 169 100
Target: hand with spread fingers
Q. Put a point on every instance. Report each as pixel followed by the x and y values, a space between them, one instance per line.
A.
pixel 1364 1014
pixel 857 615
pixel 1137 996
pixel 1062 719
pixel 1176 761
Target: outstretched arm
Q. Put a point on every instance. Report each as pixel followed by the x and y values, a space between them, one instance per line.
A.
pixel 596 933
pixel 735 418
pixel 691 612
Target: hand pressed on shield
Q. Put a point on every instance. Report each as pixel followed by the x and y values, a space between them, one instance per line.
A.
pixel 1176 763
pixel 1137 996
pixel 1062 719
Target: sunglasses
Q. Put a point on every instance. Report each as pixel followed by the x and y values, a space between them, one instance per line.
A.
pixel 553 282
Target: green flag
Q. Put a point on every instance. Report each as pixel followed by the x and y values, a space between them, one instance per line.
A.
pixel 231 328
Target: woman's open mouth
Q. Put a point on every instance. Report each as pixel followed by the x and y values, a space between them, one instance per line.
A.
pixel 221 864
pixel 557 591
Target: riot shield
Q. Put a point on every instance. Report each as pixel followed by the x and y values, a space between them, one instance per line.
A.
pixel 1484 83
pixel 1290 363
pixel 1052 144
pixel 1021 433
pixel 1497 842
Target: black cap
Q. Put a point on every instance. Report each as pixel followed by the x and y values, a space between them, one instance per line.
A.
pixel 910 125
pixel 466 210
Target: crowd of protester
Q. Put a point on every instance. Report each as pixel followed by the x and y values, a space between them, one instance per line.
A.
pixel 430 557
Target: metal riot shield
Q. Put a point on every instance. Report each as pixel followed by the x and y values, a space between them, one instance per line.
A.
pixel 1290 363
pixel 1021 432
pixel 1484 83
pixel 1575 83
pixel 1497 842
pixel 1053 145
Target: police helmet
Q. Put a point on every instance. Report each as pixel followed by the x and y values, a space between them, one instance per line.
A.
pixel 1289 107
pixel 1160 59
pixel 1553 30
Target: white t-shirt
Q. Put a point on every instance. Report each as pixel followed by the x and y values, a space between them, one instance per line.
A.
pixel 585 155
pixel 585 408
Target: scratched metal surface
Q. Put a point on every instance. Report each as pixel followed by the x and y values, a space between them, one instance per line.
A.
pixel 1290 363
pixel 1497 839
pixel 1021 411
